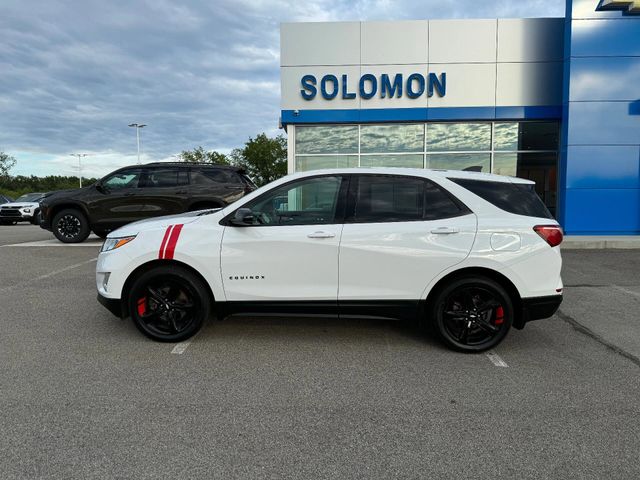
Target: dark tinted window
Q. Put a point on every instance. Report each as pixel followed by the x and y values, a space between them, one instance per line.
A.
pixel 207 176
pixel 380 198
pixel 160 178
pixel 387 199
pixel 438 204
pixel 183 177
pixel 520 199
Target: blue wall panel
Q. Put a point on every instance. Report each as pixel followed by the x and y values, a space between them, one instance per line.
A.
pixel 599 178
pixel 603 166
pixel 603 123
pixel 605 79
pixel 603 212
pixel 614 37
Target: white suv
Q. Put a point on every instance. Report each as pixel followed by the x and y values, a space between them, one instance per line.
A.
pixel 467 253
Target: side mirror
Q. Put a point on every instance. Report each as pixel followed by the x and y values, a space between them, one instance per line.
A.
pixel 100 188
pixel 242 217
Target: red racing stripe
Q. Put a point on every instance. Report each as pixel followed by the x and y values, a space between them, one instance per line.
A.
pixel 171 244
pixel 164 242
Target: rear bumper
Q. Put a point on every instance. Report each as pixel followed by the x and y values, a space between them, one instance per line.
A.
pixel 114 305
pixel 537 308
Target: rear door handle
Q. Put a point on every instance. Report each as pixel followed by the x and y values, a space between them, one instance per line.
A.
pixel 445 230
pixel 321 235
pixel 181 192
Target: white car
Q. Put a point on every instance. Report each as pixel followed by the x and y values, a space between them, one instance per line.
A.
pixel 467 253
pixel 24 209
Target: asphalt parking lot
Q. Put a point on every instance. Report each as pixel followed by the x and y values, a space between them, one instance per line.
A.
pixel 84 395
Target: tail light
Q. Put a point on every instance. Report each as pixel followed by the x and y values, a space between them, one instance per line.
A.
pixel 552 234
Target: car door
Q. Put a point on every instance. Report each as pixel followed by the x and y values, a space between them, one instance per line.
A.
pixel 289 253
pixel 164 190
pixel 116 200
pixel 399 233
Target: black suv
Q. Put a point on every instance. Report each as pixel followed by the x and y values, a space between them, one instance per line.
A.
pixel 138 192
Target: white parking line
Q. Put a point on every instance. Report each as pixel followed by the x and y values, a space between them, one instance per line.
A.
pixel 496 359
pixel 46 275
pixel 181 347
pixel 92 241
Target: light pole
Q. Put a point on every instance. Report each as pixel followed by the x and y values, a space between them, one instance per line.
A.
pixel 79 155
pixel 138 126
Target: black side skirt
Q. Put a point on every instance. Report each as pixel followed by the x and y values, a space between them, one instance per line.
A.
pixel 392 309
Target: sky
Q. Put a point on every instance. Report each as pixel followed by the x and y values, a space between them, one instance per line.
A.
pixel 75 73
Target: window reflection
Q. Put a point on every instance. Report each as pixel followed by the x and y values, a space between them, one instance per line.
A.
pixel 450 137
pixel 327 139
pixel 406 161
pixel 476 162
pixel 391 138
pixel 505 136
pixel 317 162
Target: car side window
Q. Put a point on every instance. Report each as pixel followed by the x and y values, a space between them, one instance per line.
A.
pixel 122 179
pixel 440 204
pixel 207 176
pixel 395 198
pixel 386 198
pixel 311 201
pixel 160 178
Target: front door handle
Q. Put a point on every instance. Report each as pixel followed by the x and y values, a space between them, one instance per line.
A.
pixel 445 230
pixel 181 192
pixel 320 234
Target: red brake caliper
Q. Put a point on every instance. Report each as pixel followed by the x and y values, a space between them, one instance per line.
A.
pixel 142 306
pixel 499 316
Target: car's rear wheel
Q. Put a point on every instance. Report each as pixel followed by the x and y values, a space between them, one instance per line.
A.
pixel 472 314
pixel 169 304
pixel 70 226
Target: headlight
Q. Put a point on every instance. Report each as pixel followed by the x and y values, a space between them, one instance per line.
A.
pixel 27 210
pixel 113 243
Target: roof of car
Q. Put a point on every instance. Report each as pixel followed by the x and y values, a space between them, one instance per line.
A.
pixel 421 172
pixel 192 164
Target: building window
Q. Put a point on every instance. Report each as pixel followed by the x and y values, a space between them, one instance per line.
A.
pixel 336 139
pixel 523 149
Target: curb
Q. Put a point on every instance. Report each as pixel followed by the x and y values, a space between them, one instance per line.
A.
pixel 602 243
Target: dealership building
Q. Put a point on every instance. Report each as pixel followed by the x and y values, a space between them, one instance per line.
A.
pixel 555 100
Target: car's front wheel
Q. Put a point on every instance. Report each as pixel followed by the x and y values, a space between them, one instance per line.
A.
pixel 169 304
pixel 70 226
pixel 472 314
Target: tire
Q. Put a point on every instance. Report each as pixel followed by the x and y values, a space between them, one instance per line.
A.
pixel 472 314
pixel 101 233
pixel 159 302
pixel 70 226
pixel 35 220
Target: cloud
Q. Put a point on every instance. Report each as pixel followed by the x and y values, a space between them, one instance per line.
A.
pixel 75 74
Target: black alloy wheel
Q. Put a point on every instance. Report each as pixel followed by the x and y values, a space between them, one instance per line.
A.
pixel 169 304
pixel 473 314
pixel 70 226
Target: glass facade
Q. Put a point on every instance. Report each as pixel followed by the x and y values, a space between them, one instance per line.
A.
pixel 522 149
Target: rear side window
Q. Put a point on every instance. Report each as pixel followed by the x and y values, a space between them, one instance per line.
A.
pixel 517 198
pixel 388 198
pixel 161 178
pixel 212 175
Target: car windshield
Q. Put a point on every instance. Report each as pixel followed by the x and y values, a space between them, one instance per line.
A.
pixel 29 197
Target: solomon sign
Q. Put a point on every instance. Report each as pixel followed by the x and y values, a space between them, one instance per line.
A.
pixel 414 85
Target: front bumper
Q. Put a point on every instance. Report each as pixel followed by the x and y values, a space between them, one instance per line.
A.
pixel 114 305
pixel 537 308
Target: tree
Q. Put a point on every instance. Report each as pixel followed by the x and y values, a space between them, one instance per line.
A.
pixel 199 155
pixel 264 158
pixel 7 162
